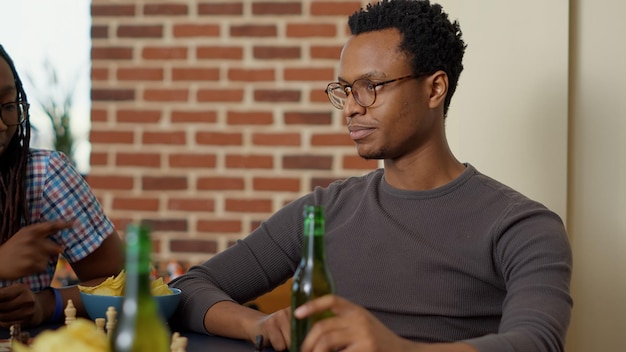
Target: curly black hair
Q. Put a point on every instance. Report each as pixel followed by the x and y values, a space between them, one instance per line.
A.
pixel 13 207
pixel 428 37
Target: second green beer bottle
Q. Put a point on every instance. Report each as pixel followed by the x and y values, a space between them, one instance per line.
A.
pixel 140 327
pixel 312 278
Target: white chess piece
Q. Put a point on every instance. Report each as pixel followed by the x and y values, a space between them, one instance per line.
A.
pixel 111 314
pixel 100 323
pixel 70 312
pixel 179 343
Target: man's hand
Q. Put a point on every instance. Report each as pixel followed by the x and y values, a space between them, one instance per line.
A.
pixel 19 305
pixel 352 329
pixel 275 329
pixel 29 250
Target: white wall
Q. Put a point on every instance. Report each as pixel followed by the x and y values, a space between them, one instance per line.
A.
pixel 509 114
pixel 542 106
pixel 597 185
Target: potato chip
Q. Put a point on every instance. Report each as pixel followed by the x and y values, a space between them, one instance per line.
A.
pixel 114 286
pixel 158 288
pixel 80 336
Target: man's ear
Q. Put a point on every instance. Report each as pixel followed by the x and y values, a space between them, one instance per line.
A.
pixel 438 84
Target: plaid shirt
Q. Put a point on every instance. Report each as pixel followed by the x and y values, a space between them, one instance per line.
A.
pixel 55 191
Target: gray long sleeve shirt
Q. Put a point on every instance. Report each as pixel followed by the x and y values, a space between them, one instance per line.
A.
pixel 471 261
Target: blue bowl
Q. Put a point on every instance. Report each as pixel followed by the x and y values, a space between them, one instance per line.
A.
pixel 97 305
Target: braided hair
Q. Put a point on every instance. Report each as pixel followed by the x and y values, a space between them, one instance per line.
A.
pixel 13 162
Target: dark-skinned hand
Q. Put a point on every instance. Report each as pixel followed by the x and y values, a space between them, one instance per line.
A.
pixel 19 305
pixel 29 250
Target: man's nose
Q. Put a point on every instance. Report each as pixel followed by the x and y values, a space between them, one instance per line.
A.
pixel 351 108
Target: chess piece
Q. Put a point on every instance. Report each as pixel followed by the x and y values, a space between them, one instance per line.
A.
pixel 70 312
pixel 111 314
pixel 179 343
pixel 100 324
pixel 16 332
pixel 25 337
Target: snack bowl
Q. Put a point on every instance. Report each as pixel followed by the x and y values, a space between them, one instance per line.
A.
pixel 97 305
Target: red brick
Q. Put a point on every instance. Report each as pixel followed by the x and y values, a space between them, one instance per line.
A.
pixel 191 204
pixel 220 52
pixel 275 96
pixel 99 73
pixel 220 183
pixel 249 161
pixel 193 246
pixel 163 138
pixel 195 74
pixel 163 183
pixel 111 53
pixel 332 139
pixel 112 94
pixel 220 95
pixel 140 31
pixel 109 10
pixel 111 137
pixel 219 226
pixel 208 116
pixel 196 30
pixel 309 74
pixel 170 9
pixel 326 52
pixel 276 52
pixel 110 182
pixel 277 8
pixel 140 74
pixel 319 96
pixel 162 95
pixel 139 204
pixel 179 160
pixel 138 116
pixel 249 118
pixel 276 184
pixel 308 162
pixel 96 158
pixel 219 138
pixel 308 30
pixel 160 224
pixel 248 205
pixel 138 159
pixel 338 8
pixel 164 53
pixel 98 115
pixel 252 30
pixel 223 8
pixel 251 75
pixel 308 118
pixel 99 32
pixel 277 139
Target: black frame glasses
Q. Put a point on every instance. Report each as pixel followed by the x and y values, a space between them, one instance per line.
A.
pixel 363 90
pixel 18 108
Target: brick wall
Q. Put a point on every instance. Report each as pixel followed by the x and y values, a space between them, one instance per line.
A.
pixel 208 116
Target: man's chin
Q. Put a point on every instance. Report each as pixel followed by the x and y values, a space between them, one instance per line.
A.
pixel 375 156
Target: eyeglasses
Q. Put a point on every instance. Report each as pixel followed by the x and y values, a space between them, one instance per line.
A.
pixel 363 90
pixel 14 113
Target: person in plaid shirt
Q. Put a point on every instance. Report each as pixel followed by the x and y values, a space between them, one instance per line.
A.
pixel 46 209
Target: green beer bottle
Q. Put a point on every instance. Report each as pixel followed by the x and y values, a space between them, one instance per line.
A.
pixel 312 278
pixel 140 327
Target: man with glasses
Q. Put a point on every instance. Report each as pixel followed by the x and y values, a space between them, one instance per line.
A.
pixel 427 253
